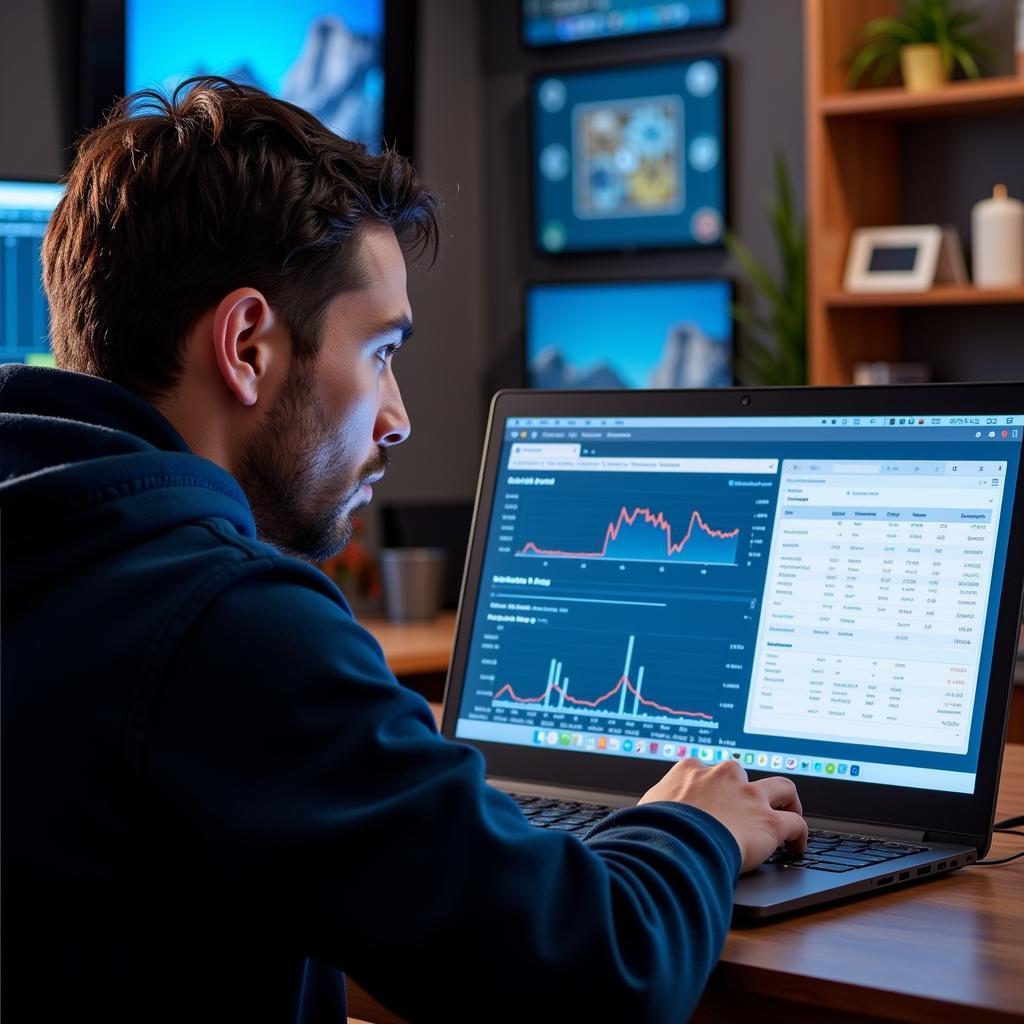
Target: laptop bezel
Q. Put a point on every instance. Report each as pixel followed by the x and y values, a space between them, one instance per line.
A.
pixel 967 817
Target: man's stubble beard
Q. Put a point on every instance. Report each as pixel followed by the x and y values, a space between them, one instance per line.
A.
pixel 286 465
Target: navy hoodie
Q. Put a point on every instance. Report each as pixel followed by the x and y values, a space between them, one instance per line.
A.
pixel 216 797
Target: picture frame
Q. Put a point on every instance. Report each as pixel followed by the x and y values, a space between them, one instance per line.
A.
pixel 903 258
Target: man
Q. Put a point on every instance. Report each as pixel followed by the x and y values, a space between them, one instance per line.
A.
pixel 216 796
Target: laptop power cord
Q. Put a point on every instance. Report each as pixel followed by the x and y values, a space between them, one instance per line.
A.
pixel 1002 860
pixel 1009 823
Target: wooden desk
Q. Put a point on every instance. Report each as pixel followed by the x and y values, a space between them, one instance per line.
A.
pixel 951 949
pixel 415 648
pixel 947 950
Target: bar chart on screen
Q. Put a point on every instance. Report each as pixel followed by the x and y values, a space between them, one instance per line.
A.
pixel 625 701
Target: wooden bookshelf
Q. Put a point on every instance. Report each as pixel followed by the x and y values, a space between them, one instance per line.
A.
pixel 958 99
pixel 940 295
pixel 855 179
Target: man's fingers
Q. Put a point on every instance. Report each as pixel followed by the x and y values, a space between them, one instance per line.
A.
pixel 793 831
pixel 781 793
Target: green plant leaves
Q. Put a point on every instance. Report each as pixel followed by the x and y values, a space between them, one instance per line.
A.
pixel 774 349
pixel 920 21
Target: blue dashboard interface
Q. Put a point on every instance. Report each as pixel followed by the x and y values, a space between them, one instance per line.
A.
pixel 630 157
pixel 807 595
pixel 25 208
pixel 554 22
pixel 325 56
pixel 629 334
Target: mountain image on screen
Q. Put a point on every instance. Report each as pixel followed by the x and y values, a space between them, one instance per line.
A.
pixel 240 73
pixel 337 78
pixel 549 369
pixel 690 359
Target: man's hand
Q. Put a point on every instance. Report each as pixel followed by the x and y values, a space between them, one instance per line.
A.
pixel 761 815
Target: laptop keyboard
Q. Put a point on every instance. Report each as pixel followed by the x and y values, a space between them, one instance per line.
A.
pixel 565 815
pixel 826 851
pixel 837 851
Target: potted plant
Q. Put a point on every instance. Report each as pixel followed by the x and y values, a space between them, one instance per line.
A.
pixel 927 40
pixel 774 348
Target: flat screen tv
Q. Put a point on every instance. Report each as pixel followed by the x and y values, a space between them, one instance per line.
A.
pixel 25 208
pixel 558 22
pixel 629 334
pixel 630 157
pixel 349 62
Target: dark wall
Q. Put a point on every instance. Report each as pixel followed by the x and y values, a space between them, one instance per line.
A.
pixel 763 45
pixel 36 59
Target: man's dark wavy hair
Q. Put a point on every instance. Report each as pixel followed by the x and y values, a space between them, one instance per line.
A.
pixel 173 203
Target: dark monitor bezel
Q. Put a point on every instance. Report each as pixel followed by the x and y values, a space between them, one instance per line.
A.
pixel 101 67
pixel 524 362
pixel 967 816
pixel 717 26
pixel 625 247
pixel 30 179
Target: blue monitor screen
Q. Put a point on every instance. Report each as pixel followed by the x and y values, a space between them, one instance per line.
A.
pixel 553 22
pixel 25 208
pixel 323 55
pixel 645 334
pixel 631 157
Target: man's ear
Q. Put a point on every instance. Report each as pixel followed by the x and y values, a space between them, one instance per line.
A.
pixel 245 342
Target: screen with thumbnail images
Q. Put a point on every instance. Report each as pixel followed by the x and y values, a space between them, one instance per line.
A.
pixel 326 57
pixel 811 595
pixel 555 22
pixel 629 334
pixel 630 157
pixel 25 208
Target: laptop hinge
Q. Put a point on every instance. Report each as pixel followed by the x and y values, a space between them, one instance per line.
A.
pixel 955 839
pixel 592 796
pixel 907 835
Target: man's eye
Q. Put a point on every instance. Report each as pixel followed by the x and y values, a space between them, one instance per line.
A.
pixel 386 353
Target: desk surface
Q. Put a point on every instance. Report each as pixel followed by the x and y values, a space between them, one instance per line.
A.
pixel 949 949
pixel 414 648
pixel 928 952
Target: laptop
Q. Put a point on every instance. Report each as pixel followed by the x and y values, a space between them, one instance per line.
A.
pixel 818 583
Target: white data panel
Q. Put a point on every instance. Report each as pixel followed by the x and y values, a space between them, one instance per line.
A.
pixel 874 608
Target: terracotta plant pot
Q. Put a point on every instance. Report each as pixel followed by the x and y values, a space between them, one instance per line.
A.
pixel 922 67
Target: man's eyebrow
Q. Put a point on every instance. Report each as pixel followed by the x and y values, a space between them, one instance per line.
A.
pixel 399 325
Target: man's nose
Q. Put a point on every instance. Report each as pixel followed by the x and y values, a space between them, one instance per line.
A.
pixel 393 425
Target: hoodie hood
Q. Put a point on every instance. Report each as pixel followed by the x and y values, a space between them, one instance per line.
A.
pixel 89 462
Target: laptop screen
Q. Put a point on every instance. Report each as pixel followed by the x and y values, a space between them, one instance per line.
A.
pixel 808 595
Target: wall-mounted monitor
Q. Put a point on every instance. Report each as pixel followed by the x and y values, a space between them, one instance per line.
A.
pixel 630 157
pixel 25 208
pixel 327 58
pixel 557 22
pixel 348 62
pixel 629 334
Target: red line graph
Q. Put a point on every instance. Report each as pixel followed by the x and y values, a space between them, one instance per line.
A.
pixel 626 518
pixel 623 681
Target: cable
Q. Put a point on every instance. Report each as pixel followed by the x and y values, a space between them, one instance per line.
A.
pixel 1009 823
pixel 1001 860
